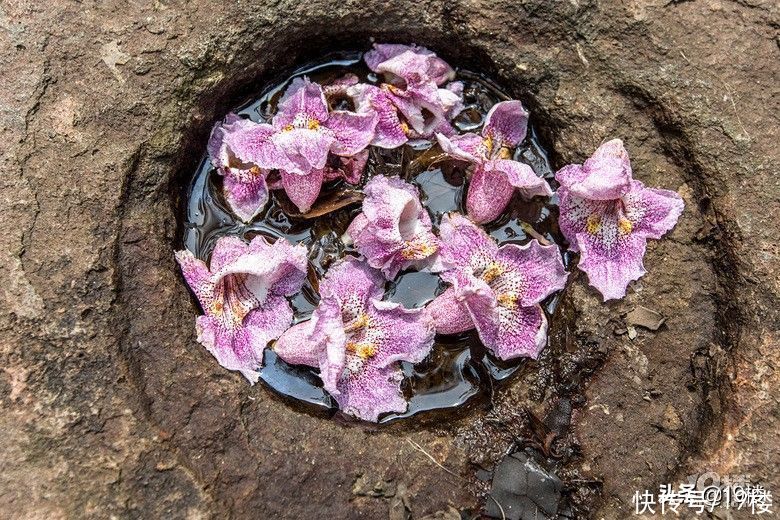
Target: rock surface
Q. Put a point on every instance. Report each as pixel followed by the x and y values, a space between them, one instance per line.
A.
pixel 108 406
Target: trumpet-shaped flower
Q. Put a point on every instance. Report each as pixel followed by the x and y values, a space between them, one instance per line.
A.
pixel 409 104
pixel 357 341
pixel 242 294
pixel 300 137
pixel 394 230
pixel 608 217
pixel 244 186
pixel 496 290
pixel 496 176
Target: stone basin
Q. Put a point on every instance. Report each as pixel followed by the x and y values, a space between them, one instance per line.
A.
pixel 111 409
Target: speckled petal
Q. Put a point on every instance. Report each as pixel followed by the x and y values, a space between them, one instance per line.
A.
pixel 522 177
pixel 488 194
pixel 295 347
pixel 251 143
pixel 652 212
pixel 420 107
pixel 506 124
pixel 539 270
pixel 370 391
pixel 226 251
pixel 512 332
pixel 397 230
pixel 303 190
pixel 466 147
pixel 352 283
pixel 353 131
pixel 449 314
pixel 305 149
pixel 451 98
pixel 574 213
pixel 462 240
pixel 389 132
pixel 606 175
pixel 197 276
pixel 217 150
pixel 611 260
pixel 402 334
pixel 303 100
pixel 246 199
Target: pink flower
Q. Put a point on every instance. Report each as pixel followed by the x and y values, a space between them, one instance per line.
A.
pixel 394 231
pixel 496 176
pixel 608 217
pixel 243 295
pixel 496 290
pixel 300 138
pixel 357 341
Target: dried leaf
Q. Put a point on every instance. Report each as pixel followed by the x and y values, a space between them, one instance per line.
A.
pixel 328 204
pixel 644 317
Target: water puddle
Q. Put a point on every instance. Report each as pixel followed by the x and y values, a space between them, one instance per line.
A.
pixel 459 368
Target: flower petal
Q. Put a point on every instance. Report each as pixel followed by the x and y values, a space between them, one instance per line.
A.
pixel 302 100
pixel 197 276
pixel 449 314
pixel 295 347
pixel 606 175
pixel 488 195
pixel 246 199
pixel 216 148
pixel 466 147
pixel 652 212
pixel 574 214
pixel 401 334
pixel 610 258
pixel 303 190
pixel 412 63
pixel 420 106
pixel 506 124
pixel 352 283
pixel 540 269
pixel 522 177
pixel 353 131
pixel 251 143
pixel 226 250
pixel 462 240
pixel 389 132
pixel 371 391
pixel 304 149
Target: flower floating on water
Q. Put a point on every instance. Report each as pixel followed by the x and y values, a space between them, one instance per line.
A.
pixel 394 230
pixel 357 341
pixel 244 185
pixel 496 290
pixel 496 176
pixel 242 294
pixel 300 137
pixel 608 217
pixel 410 104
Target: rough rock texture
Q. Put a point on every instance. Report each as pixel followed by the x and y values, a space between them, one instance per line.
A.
pixel 108 407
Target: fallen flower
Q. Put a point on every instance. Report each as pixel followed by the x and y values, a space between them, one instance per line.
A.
pixel 496 290
pixel 244 186
pixel 242 294
pixel 608 217
pixel 495 176
pixel 300 137
pixel 394 230
pixel 357 341
pixel 409 104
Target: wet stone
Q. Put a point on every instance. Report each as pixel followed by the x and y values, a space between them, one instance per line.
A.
pixel 523 490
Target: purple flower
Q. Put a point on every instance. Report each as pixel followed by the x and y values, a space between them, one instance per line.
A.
pixel 357 341
pixel 244 186
pixel 394 230
pixel 410 104
pixel 496 176
pixel 408 63
pixel 608 217
pixel 494 289
pixel 242 294
pixel 300 137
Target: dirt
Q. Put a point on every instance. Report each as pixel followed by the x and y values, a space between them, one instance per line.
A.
pixel 111 409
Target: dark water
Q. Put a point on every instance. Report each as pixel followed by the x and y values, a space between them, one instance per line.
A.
pixel 459 368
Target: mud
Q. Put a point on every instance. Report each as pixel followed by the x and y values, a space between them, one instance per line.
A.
pixel 110 408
